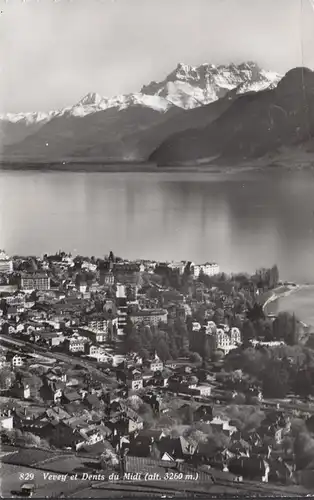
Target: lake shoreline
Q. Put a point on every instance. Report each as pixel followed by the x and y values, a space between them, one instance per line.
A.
pixel 280 293
pixel 291 161
pixel 134 167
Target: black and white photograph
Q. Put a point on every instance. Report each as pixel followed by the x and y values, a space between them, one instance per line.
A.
pixel 156 249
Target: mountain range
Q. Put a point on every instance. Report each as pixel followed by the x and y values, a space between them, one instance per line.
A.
pixel 254 125
pixel 195 113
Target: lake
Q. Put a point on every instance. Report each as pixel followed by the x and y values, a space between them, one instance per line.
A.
pixel 300 302
pixel 242 220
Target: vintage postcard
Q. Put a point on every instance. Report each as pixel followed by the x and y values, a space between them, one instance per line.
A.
pixel 156 248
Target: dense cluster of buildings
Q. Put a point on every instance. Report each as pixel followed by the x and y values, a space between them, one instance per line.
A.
pixel 64 323
pixel 45 302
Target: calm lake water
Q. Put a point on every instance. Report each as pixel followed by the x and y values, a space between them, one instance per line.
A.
pixel 243 221
pixel 301 303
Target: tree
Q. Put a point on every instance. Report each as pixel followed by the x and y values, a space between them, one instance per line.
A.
pixel 188 418
pixel 79 279
pixel 275 381
pixel 133 341
pixel 217 355
pixel 30 440
pixel 303 383
pixel 154 452
pixel 146 412
pixel 173 349
pixel 274 277
pixel 219 316
pixel 287 328
pixel 135 402
pixel 303 449
pixel 256 312
pixel 206 351
pixel 248 332
pixel 144 354
pixel 109 458
pixel 14 436
pixel 6 379
pixel 239 399
pixel 163 350
pixel 195 357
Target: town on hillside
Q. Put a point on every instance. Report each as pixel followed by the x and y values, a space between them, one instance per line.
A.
pixel 130 366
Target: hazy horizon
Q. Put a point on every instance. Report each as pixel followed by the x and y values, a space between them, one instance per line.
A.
pixel 55 52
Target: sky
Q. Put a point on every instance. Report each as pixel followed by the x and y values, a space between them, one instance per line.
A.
pixel 53 52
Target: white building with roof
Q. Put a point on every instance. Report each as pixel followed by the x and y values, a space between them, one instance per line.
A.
pixel 6 264
pixel 209 269
pixel 223 425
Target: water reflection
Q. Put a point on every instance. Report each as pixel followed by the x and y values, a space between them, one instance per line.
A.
pixel 242 221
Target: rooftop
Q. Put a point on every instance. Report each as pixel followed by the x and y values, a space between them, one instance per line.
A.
pixel 34 275
pixel 150 312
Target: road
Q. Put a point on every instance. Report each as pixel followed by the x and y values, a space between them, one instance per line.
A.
pixel 90 365
pixel 67 358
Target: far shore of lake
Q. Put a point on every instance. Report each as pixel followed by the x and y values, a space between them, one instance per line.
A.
pixel 208 165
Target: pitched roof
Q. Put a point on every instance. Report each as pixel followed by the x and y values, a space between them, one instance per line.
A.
pixel 94 449
pixel 72 395
pixel 150 433
pixel 76 422
pixel 104 430
pixel 167 458
pixel 176 447
pixel 93 400
pixel 206 449
pixel 238 445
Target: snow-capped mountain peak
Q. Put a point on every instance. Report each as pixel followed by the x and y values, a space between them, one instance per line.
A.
pixel 28 118
pixel 93 103
pixel 92 98
pixel 186 87
pixel 193 86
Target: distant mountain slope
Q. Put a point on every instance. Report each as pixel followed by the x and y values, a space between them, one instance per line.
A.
pixel 70 133
pixel 140 144
pixel 192 86
pixel 131 126
pixel 255 124
pixel 15 128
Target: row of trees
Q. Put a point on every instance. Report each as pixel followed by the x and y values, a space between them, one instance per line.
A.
pixel 168 341
pixel 284 328
pixel 24 439
pixel 278 370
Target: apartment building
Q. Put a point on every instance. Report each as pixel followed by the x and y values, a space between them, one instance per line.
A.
pixel 95 335
pixel 75 344
pixel 209 269
pixel 35 281
pixel 122 311
pixel 100 354
pixel 98 323
pixel 149 316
